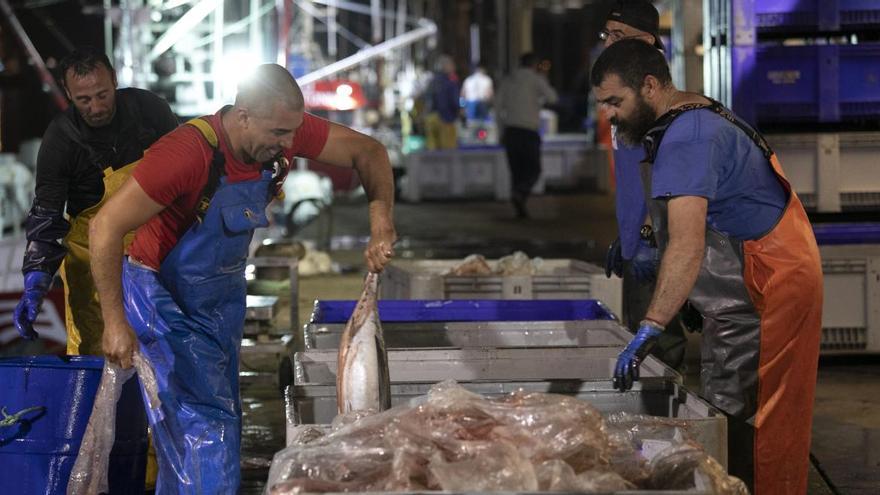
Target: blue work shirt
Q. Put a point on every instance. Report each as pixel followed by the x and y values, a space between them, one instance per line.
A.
pixel 630 204
pixel 702 154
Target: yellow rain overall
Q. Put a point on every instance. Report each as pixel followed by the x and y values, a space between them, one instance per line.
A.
pixel 85 326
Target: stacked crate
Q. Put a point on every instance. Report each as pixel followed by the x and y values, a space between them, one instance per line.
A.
pixel 811 66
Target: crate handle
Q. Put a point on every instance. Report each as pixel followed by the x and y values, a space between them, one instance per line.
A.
pixel 12 419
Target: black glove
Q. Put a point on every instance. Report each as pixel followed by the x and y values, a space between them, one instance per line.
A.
pixel 690 318
pixel 614 260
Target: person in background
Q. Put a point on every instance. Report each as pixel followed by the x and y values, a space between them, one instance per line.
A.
pixel 520 98
pixel 633 255
pixel 179 295
pixel 735 240
pixel 85 155
pixel 443 106
pixel 477 92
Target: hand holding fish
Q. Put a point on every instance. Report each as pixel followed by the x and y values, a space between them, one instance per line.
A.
pixel 380 250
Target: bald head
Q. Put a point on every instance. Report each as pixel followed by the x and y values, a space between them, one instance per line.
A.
pixel 269 85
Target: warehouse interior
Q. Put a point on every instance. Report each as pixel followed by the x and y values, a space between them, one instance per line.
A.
pixel 512 294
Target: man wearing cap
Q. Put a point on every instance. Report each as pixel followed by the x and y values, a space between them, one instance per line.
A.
pixel 633 255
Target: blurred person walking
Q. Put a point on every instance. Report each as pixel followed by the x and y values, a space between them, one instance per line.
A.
pixel 520 98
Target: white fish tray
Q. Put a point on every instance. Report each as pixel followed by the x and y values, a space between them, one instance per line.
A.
pixel 588 333
pixel 318 367
pixel 558 279
pixel 850 311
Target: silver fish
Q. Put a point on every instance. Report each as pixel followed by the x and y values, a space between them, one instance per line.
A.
pixel 362 380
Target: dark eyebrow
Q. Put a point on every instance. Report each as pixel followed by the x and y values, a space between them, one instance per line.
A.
pixel 611 100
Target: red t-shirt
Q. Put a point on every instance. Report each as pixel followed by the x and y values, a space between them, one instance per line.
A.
pixel 174 171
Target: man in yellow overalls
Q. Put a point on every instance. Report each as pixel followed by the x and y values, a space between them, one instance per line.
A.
pixel 87 153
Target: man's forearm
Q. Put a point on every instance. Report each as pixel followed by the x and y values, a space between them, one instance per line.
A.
pixel 106 262
pixel 678 273
pixel 374 169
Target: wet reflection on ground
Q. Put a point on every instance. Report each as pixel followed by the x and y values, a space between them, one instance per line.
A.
pixel 263 429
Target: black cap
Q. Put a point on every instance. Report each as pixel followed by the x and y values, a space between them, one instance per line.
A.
pixel 640 14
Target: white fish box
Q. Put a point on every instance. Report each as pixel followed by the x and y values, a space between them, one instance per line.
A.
pixel 557 279
pixel 318 367
pixel 831 171
pixel 459 173
pixel 467 334
pixel 851 309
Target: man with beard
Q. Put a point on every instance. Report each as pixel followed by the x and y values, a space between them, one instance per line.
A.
pixel 83 158
pixel 633 255
pixel 734 240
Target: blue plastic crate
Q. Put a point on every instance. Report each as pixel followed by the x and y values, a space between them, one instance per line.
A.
pixel 816 83
pixel 401 311
pixel 822 15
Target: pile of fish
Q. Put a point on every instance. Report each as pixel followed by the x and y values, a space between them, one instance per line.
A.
pixel 517 263
pixel 455 440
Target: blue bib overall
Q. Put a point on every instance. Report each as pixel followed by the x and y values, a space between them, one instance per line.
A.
pixel 188 318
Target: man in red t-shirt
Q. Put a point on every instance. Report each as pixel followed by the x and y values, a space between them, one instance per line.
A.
pixel 183 281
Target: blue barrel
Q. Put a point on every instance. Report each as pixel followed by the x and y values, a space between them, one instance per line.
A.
pixel 38 450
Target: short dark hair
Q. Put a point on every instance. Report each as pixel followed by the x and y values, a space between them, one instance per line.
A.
pixel 528 59
pixel 632 60
pixel 82 61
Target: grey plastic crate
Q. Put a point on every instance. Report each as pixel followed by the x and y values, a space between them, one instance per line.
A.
pixel 318 367
pixel 558 279
pixel 591 333
pixel 850 313
pixel 653 396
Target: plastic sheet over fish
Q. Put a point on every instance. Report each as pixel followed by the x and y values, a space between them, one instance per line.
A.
pixel 455 440
pixel 362 380
pixel 89 473
pixel 517 263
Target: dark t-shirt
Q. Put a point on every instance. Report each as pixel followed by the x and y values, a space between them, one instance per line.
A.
pixel 70 167
pixel 72 172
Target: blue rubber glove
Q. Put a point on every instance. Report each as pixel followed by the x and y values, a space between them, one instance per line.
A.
pixel 614 260
pixel 627 368
pixel 36 285
pixel 646 262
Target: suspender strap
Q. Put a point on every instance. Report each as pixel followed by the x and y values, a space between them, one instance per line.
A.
pixel 215 172
pixel 654 136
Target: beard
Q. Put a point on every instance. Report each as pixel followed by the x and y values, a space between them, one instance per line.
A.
pixel 630 131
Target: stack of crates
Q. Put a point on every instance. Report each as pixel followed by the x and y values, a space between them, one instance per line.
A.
pixel 809 72
pixel 831 75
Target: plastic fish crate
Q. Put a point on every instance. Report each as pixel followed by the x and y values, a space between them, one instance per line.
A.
pixel 830 83
pixel 464 335
pixel 318 367
pixel 652 396
pixel 812 15
pixel 850 311
pixel 558 279
pixel 832 171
